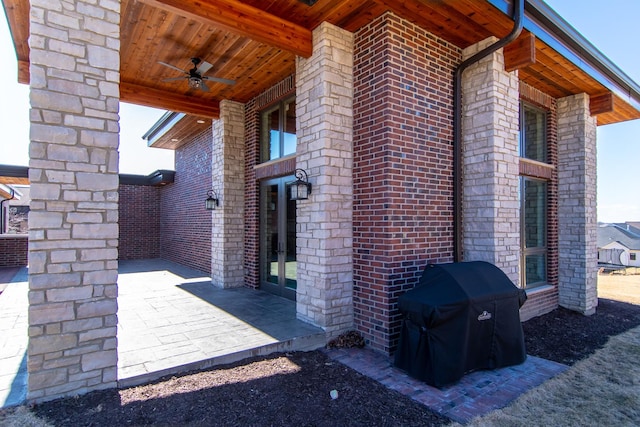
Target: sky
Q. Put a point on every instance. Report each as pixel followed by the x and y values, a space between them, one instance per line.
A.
pixel 611 26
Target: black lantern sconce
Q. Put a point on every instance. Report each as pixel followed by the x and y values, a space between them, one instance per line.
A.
pixel 212 201
pixel 301 187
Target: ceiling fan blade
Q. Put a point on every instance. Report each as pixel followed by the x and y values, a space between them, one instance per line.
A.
pixel 173 79
pixel 171 66
pixel 220 80
pixel 204 87
pixel 204 67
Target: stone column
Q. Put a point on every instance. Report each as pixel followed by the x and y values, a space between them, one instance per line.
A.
pixel 324 97
pixel 73 170
pixel 227 234
pixel 577 215
pixel 490 125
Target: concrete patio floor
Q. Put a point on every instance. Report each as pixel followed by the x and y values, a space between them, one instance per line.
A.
pixel 170 320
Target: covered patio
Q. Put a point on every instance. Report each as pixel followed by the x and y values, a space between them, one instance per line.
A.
pixel 357 94
pixel 171 319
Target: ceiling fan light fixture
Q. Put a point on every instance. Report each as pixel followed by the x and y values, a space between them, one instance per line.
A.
pixel 195 82
pixel 309 2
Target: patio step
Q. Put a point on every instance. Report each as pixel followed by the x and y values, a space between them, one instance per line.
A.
pixel 302 343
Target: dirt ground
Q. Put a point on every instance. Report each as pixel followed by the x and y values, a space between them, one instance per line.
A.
pixel 295 389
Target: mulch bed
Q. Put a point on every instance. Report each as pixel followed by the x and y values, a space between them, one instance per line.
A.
pixel 294 389
pixel 566 336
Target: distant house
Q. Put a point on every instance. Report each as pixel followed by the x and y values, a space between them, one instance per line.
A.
pixel 14 208
pixel 619 244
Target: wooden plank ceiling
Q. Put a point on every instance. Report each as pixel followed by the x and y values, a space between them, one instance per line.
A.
pixel 255 42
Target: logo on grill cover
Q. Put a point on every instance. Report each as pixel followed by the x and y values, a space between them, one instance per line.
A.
pixel 485 315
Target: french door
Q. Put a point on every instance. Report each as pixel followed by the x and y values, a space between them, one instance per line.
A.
pixel 278 265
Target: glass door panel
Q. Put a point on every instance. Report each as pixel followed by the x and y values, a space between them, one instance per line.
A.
pixel 278 264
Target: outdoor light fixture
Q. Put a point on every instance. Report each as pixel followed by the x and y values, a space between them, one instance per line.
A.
pixel 309 2
pixel 301 187
pixel 212 200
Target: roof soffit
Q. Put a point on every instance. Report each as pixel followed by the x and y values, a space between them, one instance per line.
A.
pixel 255 43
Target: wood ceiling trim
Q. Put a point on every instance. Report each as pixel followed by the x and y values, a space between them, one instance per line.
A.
pixel 150 97
pixel 440 19
pixel 245 20
pixel 12 180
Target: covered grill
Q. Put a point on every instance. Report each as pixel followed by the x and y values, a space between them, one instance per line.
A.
pixel 461 317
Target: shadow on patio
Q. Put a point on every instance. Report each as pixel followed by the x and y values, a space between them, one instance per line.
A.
pixel 163 329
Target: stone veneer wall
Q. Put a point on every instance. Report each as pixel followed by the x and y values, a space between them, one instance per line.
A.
pixel 73 170
pixel 13 250
pixel 185 224
pixel 403 168
pixel 577 217
pixel 490 126
pixel 324 109
pixel 139 222
pixel 227 255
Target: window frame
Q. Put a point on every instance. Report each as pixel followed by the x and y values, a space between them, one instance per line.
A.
pixel 545 134
pixel 265 140
pixel 526 251
pixel 539 251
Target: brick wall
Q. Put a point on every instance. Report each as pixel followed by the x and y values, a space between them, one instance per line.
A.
pixel 540 301
pixel 403 161
pixel 185 225
pixel 139 228
pixel 252 194
pixel 139 220
pixel 13 250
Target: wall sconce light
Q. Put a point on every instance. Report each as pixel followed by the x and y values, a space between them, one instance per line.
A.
pixel 301 187
pixel 212 200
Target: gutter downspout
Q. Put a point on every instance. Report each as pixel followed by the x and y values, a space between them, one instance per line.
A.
pixel 518 18
pixel 2 219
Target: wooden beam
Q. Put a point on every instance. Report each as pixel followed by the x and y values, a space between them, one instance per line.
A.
pixel 245 20
pixel 155 98
pixel 23 72
pixel 14 180
pixel 600 104
pixel 521 52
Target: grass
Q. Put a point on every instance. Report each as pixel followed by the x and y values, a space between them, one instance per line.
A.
pixel 603 389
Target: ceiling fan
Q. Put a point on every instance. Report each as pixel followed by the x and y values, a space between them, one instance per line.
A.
pixel 195 76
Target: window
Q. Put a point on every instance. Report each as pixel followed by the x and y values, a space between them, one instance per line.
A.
pixel 632 256
pixel 278 130
pixel 533 199
pixel 533 133
pixel 533 211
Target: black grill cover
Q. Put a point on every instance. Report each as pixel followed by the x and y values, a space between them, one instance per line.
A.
pixel 461 317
